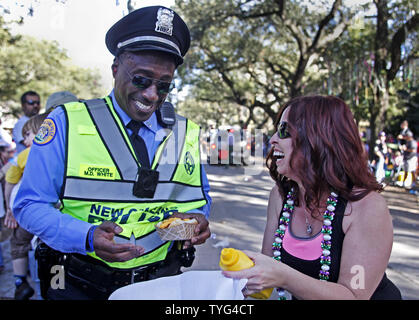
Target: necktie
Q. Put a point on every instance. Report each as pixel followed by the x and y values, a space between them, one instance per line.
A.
pixel 138 143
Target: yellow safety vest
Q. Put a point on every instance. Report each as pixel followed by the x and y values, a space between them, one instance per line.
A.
pixel 101 169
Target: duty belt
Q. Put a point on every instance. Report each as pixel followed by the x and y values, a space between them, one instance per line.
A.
pixel 99 280
pixel 98 274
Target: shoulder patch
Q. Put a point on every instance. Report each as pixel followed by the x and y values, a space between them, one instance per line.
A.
pixel 46 132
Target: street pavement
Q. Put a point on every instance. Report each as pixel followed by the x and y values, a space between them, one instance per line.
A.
pixel 238 215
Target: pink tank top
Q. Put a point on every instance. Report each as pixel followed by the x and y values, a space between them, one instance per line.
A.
pixel 303 248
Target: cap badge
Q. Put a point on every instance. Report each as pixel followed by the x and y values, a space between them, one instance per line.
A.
pixel 164 23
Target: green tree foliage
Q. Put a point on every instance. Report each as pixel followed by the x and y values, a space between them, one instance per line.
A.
pixel 395 43
pixel 30 64
pixel 257 54
pixel 372 61
pixel 408 107
pixel 251 56
pixel 349 66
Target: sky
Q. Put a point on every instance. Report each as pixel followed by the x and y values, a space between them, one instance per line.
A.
pixel 79 26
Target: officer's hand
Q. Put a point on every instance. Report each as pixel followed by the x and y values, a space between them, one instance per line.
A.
pixel 202 230
pixel 106 249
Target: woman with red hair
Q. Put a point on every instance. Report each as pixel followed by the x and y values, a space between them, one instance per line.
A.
pixel 329 233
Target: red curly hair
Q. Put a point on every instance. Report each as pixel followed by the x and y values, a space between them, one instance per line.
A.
pixel 328 153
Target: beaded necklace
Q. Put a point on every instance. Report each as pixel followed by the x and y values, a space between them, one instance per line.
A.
pixel 326 244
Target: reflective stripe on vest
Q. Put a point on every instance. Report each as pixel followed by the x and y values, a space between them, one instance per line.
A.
pixel 113 138
pixel 117 191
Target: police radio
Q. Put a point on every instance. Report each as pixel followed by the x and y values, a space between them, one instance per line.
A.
pixel 166 115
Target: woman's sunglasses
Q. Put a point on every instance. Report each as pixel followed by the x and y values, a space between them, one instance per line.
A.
pixel 282 130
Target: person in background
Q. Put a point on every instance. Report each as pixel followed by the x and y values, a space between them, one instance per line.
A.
pixel 381 153
pixel 397 164
pixel 31 103
pixel 115 167
pixel 410 159
pixel 2 267
pixel 6 153
pixel 5 137
pixel 417 154
pixel 325 213
pixel 59 98
pixel 20 241
pixel 404 132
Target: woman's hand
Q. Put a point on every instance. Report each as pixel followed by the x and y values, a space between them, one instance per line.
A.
pixel 265 274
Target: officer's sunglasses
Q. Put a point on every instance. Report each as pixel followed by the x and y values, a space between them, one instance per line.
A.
pixel 33 102
pixel 142 83
pixel 282 130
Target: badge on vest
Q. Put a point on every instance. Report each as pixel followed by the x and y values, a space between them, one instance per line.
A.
pixel 146 183
pixel 189 163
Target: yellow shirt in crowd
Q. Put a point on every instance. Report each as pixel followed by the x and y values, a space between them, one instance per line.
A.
pixel 15 172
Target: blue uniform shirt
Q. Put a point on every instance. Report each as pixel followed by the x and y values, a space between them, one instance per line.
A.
pixel 43 178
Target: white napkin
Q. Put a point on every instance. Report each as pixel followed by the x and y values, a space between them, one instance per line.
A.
pixel 191 285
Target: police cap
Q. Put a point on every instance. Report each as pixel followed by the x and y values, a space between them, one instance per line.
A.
pixel 153 28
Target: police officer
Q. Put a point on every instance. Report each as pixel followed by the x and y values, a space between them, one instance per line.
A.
pixel 115 167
